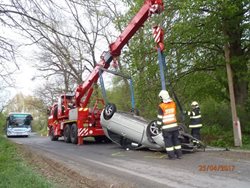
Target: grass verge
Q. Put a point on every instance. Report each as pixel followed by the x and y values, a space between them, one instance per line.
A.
pixel 15 173
pixel 219 137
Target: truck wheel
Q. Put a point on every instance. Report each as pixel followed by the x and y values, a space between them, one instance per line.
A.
pixel 52 135
pixel 73 134
pixel 66 134
pixel 109 111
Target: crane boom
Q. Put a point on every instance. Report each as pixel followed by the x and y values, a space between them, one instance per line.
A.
pixel 84 90
pixel 72 119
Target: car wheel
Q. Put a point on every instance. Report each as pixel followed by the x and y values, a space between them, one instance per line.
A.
pixel 152 130
pixel 73 134
pixel 52 134
pixel 66 134
pixel 109 111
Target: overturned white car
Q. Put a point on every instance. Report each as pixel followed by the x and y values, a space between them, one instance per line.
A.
pixel 131 131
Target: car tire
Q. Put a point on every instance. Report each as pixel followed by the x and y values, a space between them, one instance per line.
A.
pixel 66 134
pixel 52 134
pixel 73 133
pixel 152 130
pixel 109 111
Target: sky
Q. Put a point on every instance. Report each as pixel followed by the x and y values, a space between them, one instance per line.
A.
pixel 25 83
pixel 24 76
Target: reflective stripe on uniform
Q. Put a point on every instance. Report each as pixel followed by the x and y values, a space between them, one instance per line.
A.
pixel 195 126
pixel 170 118
pixel 196 141
pixel 170 149
pixel 159 116
pixel 158 123
pixel 190 113
pixel 177 147
pixel 170 126
pixel 195 117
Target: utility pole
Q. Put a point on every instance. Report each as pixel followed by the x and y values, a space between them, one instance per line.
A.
pixel 236 122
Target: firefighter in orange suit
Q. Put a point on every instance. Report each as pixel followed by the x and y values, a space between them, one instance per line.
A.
pixel 166 121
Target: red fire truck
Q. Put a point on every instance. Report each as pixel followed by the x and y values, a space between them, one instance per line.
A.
pixel 71 117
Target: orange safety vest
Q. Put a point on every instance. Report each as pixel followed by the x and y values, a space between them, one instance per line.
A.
pixel 169 115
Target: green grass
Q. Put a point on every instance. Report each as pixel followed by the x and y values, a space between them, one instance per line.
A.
pixel 220 137
pixel 14 171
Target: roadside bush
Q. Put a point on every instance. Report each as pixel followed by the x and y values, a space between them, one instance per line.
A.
pixel 2 123
pixel 214 113
pixel 216 135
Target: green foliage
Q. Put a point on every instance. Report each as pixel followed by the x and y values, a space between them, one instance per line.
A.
pixel 120 95
pixel 215 135
pixel 2 123
pixel 195 34
pixel 14 171
pixel 216 113
pixel 218 136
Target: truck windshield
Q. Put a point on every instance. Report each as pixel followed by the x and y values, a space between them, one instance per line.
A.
pixel 19 120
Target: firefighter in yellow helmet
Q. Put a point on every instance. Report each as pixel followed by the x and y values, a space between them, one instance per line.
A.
pixel 166 121
pixel 195 120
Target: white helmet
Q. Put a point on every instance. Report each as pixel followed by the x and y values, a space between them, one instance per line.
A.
pixel 194 104
pixel 164 96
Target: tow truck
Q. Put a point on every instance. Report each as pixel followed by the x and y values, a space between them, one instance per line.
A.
pixel 71 117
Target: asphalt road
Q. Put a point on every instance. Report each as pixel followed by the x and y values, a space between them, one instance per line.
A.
pixel 143 168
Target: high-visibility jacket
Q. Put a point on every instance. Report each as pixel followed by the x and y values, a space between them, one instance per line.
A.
pixel 167 116
pixel 195 118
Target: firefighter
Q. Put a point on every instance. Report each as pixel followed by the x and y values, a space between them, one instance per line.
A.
pixel 195 121
pixel 166 121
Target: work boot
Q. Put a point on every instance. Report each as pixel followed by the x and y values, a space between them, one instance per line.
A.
pixel 171 158
pixel 178 153
pixel 171 155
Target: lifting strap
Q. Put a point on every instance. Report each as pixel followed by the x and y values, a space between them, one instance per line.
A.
pixel 163 67
pixel 104 94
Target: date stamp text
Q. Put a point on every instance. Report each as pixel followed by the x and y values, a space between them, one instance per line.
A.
pixel 215 167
